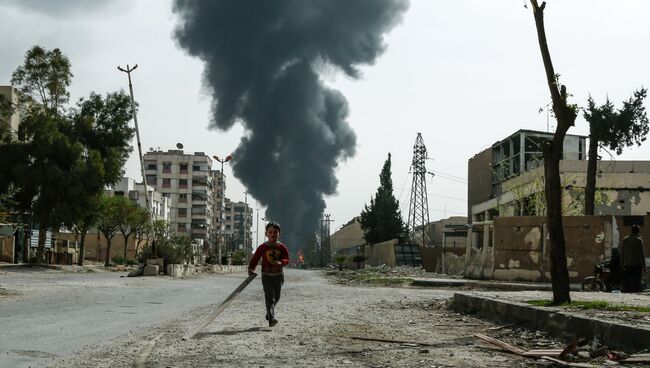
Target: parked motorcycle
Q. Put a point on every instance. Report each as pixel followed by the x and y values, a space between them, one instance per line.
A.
pixel 605 280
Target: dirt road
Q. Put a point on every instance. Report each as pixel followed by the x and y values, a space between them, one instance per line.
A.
pixel 321 325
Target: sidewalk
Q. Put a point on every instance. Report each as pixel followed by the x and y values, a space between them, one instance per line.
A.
pixel 485 284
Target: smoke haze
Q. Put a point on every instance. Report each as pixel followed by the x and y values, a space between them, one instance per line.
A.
pixel 262 59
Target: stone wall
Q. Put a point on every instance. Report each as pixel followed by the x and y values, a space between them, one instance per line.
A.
pixel 381 253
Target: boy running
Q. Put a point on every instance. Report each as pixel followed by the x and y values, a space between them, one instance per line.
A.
pixel 274 256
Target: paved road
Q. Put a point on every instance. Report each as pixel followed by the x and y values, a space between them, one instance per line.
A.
pixel 65 320
pixel 58 313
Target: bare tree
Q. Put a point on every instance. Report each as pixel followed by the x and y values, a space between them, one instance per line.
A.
pixel 566 115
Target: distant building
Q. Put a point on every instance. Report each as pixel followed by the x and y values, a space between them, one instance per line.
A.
pixel 242 222
pixel 348 239
pixel 186 180
pixel 9 94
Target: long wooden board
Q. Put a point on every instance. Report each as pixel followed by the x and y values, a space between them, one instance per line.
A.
pixel 221 307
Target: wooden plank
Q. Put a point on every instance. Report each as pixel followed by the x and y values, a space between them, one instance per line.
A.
pixel 637 358
pixel 501 344
pixel 567 364
pixel 542 352
pixel 221 306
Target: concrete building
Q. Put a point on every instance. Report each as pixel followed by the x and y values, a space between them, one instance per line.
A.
pixel 127 187
pixel 220 235
pixel 186 180
pixel 242 220
pixel 506 204
pixel 348 239
pixel 9 94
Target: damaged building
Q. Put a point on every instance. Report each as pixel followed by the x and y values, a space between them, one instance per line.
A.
pixel 507 237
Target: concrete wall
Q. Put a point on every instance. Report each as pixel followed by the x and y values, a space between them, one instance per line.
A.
pixel 479 183
pixel 454 260
pixel 521 249
pixel 7 249
pixel 381 253
pixel 95 246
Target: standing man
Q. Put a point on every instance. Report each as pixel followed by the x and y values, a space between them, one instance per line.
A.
pixel 633 261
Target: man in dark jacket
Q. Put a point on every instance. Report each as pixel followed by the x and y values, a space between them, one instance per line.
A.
pixel 633 261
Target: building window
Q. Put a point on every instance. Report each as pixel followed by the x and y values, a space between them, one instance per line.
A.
pixel 152 167
pixel 182 212
pixel 182 198
pixel 167 183
pixel 182 183
pixel 167 167
pixel 181 228
pixel 152 180
pixel 182 168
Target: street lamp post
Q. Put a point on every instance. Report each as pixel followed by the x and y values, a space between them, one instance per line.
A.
pixel 223 186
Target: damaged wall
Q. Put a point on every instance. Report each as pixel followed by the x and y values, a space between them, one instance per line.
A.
pixel 381 253
pixel 521 246
pixel 454 260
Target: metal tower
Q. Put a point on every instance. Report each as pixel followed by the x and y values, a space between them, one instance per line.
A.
pixel 419 206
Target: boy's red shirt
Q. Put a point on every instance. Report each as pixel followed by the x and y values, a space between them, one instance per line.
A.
pixel 270 253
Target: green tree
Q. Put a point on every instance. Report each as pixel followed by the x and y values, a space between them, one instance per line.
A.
pixel 44 79
pixel 382 219
pixel 84 223
pixel 61 158
pixel 614 129
pixel 128 212
pixel 109 220
pixel 565 114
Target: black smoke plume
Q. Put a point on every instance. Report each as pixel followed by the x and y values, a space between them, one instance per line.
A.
pixel 262 61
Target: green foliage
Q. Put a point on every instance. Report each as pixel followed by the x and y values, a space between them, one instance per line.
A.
pixel 44 78
pixel 131 261
pixel 382 220
pixel 239 257
pixel 618 129
pixel 593 304
pixel 118 259
pixel 59 162
pixel 176 249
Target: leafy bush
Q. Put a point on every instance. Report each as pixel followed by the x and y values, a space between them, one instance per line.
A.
pixel 118 259
pixel 239 257
pixel 131 261
pixel 175 250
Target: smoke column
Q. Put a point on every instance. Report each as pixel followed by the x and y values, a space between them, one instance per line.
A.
pixel 262 59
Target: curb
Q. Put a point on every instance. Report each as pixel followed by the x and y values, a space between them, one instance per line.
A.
pixel 614 335
pixel 489 285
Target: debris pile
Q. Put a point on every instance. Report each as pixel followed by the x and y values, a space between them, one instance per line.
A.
pixel 578 353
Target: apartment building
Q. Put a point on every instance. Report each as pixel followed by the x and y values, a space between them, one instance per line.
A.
pixel 187 181
pixel 242 222
pixel 9 94
pixel 218 205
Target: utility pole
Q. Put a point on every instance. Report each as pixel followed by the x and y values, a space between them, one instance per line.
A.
pixel 147 201
pixel 419 205
pixel 325 251
pixel 222 238
pixel 243 230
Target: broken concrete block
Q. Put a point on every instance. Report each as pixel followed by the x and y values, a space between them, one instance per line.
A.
pixel 150 270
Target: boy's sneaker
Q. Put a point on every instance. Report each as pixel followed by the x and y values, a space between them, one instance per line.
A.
pixel 273 322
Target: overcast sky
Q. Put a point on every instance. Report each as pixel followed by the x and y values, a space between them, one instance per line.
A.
pixel 463 73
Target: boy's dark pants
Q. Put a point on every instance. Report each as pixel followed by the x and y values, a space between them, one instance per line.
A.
pixel 272 287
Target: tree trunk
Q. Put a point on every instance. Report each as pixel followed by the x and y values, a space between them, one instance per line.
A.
pixel 592 166
pixel 552 154
pixel 126 243
pixel 108 252
pixel 42 236
pixel 26 240
pixel 82 248
pixel 553 191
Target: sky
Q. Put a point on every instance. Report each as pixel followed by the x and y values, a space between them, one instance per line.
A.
pixel 463 73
